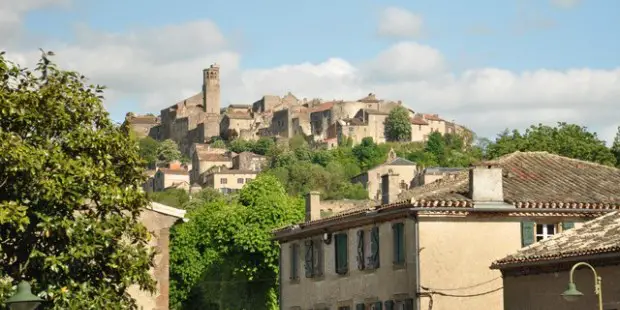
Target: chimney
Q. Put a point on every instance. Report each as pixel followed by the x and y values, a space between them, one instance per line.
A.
pixel 486 184
pixel 389 188
pixel 313 206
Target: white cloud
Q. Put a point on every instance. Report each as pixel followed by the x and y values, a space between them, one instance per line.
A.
pixel 157 67
pixel 565 4
pixel 399 23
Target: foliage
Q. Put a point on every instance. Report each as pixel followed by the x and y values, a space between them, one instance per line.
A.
pixel 147 148
pixel 398 125
pixel 173 197
pixel 615 147
pixel 224 255
pixel 168 151
pixel 368 154
pixel 69 192
pixel 568 140
pixel 218 144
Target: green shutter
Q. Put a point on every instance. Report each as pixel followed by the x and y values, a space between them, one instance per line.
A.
pixel 378 305
pixel 318 258
pixel 374 247
pixel 527 233
pixel 399 243
pixel 341 254
pixel 294 261
pixel 389 305
pixel 309 259
pixel 360 249
pixel 567 225
pixel 359 307
pixel 409 304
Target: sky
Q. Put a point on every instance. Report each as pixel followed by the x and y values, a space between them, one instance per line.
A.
pixel 486 64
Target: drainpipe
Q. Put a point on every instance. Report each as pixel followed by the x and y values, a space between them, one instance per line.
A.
pixel 280 277
pixel 416 254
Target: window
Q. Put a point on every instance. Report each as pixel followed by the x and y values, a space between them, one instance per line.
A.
pixel 313 258
pixel 369 306
pixel 398 234
pixel 344 308
pixel 240 181
pixel 223 181
pixel 532 232
pixel 544 231
pixel 294 255
pixel 342 260
pixel 368 249
pixel 406 304
pixel 403 185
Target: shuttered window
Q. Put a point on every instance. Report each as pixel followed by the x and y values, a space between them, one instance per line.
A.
pixel 309 258
pixel 374 248
pixel 527 233
pixel 398 235
pixel 294 255
pixel 342 259
pixel 360 250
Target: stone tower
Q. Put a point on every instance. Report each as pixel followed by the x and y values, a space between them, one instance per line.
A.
pixel 211 102
pixel 211 89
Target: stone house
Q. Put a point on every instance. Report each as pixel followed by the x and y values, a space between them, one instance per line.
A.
pixel 158 218
pixel 228 181
pixel 433 244
pixel 436 123
pixel 172 176
pixel 235 122
pixel 149 185
pixel 535 276
pixel 420 129
pixel 142 125
pixel 205 159
pixel 249 161
pixel 371 179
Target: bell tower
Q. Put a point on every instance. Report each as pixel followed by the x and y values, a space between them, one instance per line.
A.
pixel 211 89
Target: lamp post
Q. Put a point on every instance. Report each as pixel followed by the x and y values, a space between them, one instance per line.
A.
pixel 572 294
pixel 23 298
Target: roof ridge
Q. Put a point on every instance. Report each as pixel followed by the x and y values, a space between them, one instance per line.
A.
pixel 506 157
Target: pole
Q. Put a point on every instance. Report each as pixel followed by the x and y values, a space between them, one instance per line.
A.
pixel 597 281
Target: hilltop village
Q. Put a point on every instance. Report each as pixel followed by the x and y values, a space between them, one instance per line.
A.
pixel 195 122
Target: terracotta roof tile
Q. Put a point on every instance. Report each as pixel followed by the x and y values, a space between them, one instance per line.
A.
pixel 432 117
pixel 601 235
pixel 323 107
pixel 418 121
pixel 536 179
pixel 205 156
pixel 173 171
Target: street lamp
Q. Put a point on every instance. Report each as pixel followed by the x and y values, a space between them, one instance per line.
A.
pixel 23 298
pixel 572 294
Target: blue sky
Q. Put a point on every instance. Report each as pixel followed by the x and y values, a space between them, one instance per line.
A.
pixel 548 37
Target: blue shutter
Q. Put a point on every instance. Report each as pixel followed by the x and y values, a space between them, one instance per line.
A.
pixel 360 249
pixel 294 261
pixel 527 233
pixel 378 305
pixel 374 247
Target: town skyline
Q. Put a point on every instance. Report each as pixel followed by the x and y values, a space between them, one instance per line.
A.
pixel 484 72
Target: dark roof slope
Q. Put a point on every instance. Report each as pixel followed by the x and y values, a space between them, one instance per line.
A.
pixel 400 162
pixel 599 236
pixel 535 178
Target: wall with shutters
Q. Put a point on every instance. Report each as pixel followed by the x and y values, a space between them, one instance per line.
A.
pixel 383 284
pixel 542 291
pixel 457 253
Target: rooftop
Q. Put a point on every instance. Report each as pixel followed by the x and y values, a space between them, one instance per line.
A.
pixel 534 179
pixel 206 156
pixel 599 236
pixel 173 171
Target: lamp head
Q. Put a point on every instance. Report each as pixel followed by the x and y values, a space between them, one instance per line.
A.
pixel 23 298
pixel 571 294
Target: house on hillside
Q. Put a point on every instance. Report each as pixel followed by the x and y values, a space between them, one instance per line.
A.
pixel 371 179
pixel 535 276
pixel 434 244
pixel 174 176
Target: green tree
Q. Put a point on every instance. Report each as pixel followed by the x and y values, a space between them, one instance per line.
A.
pixel 173 197
pixel 436 146
pixel 398 125
pixel 168 151
pixel 368 154
pixel 568 140
pixel 263 146
pixel 148 150
pixel 240 145
pixel 218 144
pixel 70 194
pixel 615 147
pixel 225 255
